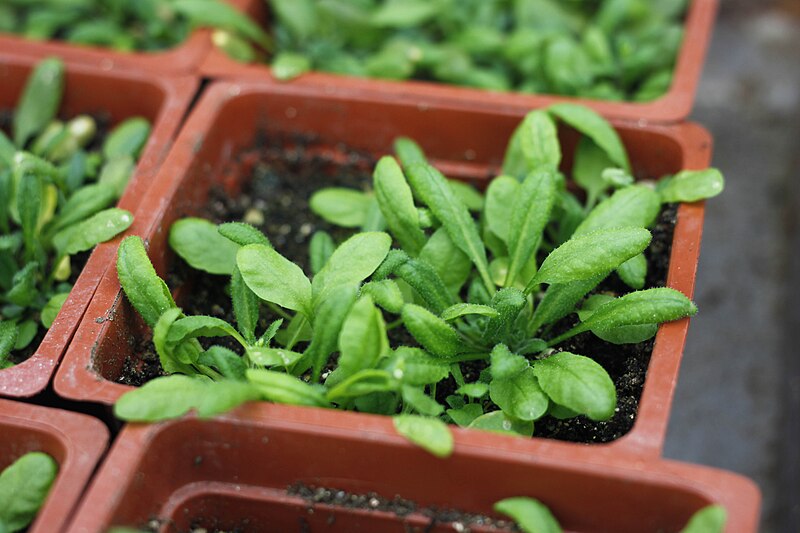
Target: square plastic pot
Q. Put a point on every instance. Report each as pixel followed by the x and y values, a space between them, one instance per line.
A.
pixel 75 441
pixel 674 106
pixel 164 102
pixel 462 144
pixel 233 472
pixel 183 59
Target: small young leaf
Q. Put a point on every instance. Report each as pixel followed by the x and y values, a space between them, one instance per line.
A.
pixel 432 188
pixel 404 13
pixel 283 388
pixel 469 195
pixel 170 397
pixel 578 383
pixel 538 142
pixel 352 262
pixel 116 173
pixel 473 390
pixel 506 365
pixel 421 402
pixel 273 278
pixel 691 185
pixel 148 293
pixel 290 65
pixel 634 206
pixel 84 203
pixel 127 139
pixel 596 128
pixel 429 433
pixel 409 152
pixel 463 416
pixel 98 228
pixel 397 205
pixel 362 339
pixel 461 309
pixel 499 422
pixel 52 307
pixel 450 263
pixel 531 515
pixel 633 272
pixel 591 255
pixel 328 319
pixel 299 16
pixel 263 356
pixel 23 286
pixel 433 333
pixel 198 242
pixel 192 327
pixel 416 367
pixel 227 362
pixel 242 233
pixel 245 306
pixel 320 249
pixel 174 359
pixel 500 195
pixel 8 338
pixel 651 306
pixel 519 396
pixel 340 206
pixel 24 486
pixel 560 300
pixel 509 302
pixel 709 519
pixel 587 170
pixel 221 15
pixel 386 293
pixel 40 100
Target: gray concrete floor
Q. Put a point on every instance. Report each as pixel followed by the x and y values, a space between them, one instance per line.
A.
pixel 737 403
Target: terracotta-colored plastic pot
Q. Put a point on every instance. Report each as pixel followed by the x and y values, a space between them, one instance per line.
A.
pixel 75 441
pixel 233 471
pixel 674 106
pixel 183 59
pixel 164 102
pixel 464 144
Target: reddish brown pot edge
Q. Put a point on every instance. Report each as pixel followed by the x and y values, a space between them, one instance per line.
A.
pixel 75 441
pixel 226 114
pixel 257 451
pixel 674 106
pixel 164 101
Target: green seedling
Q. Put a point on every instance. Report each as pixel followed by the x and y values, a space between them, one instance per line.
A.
pixel 56 193
pixel 613 50
pixel 135 26
pixel 23 489
pixel 532 516
pixel 474 280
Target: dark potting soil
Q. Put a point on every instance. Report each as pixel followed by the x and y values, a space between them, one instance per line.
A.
pixel 276 201
pixel 453 518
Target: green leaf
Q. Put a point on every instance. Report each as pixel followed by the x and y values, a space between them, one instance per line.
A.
pixel 30 203
pixel 634 206
pixel 430 434
pixel 421 402
pixel 587 170
pixel 174 359
pixel 192 327
pixel 84 203
pixel 509 302
pixel 202 13
pixel 242 233
pixel 530 211
pixel 299 16
pixel 24 486
pixel 501 194
pixel 591 255
pixel 709 519
pixel 560 300
pixel 273 278
pixel 127 139
pixel 450 263
pixel 283 388
pixel 198 242
pixel 416 367
pixel 386 293
pixel 461 309
pixel 8 338
pixel 596 128
pixel 23 285
pixel 519 396
pixel 691 185
pixel 578 383
pixel 433 333
pixel 100 227
pixel 362 339
pixel 404 13
pixel 633 272
pixel 464 416
pixel 360 384
pixel 397 205
pixel 505 364
pixel 500 422
pixel 343 207
pixel 320 250
pixel 469 195
pixel 651 306
pixel 539 142
pixel 245 306
pixel 352 262
pixel 409 152
pixel 473 390
pixel 433 189
pixel 227 362
pixel 148 293
pixel 290 65
pixel 40 100
pixel 328 320
pixel 531 515
pixel 52 307
pixel 26 332
pixel 263 356
pixel 170 397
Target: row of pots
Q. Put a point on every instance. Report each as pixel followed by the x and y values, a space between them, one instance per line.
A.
pixel 186 470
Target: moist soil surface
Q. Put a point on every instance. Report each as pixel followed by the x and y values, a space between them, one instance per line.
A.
pixel 276 201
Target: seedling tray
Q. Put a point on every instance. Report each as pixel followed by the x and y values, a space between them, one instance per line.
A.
pixel 233 472
pixel 164 102
pixel 463 144
pixel 75 441
pixel 674 106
